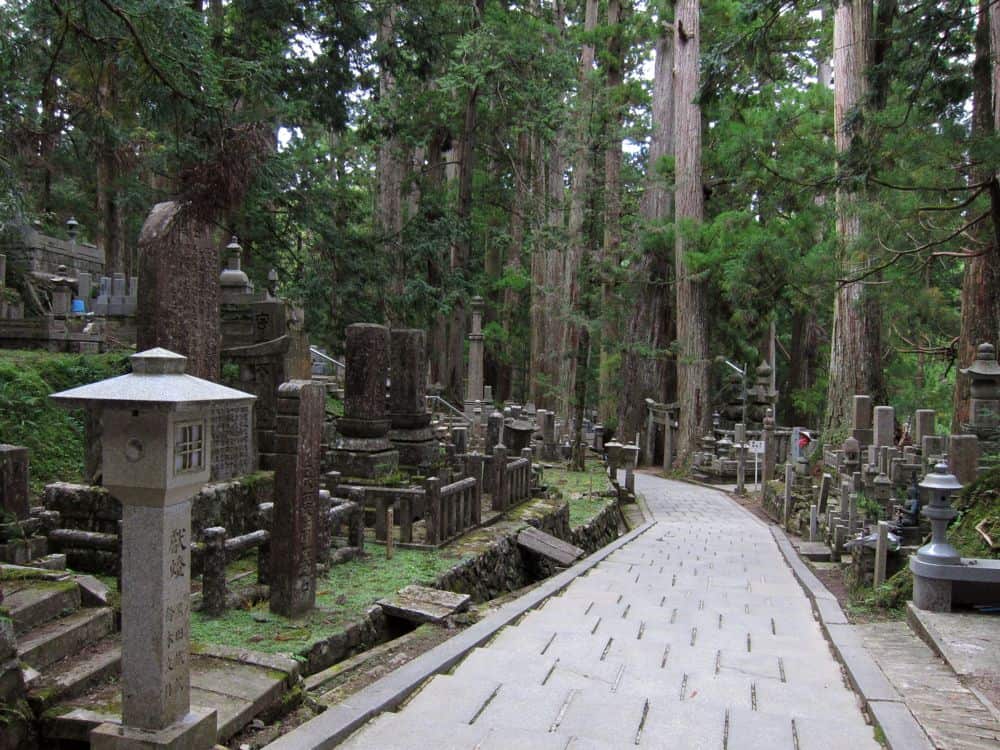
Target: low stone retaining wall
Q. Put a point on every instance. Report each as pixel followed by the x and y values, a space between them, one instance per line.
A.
pixel 599 531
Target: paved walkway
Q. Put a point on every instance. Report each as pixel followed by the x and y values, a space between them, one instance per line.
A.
pixel 694 635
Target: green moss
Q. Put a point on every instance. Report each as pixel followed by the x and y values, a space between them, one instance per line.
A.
pixel 334 406
pixel 583 490
pixel 28 417
pixel 342 597
pixel 978 502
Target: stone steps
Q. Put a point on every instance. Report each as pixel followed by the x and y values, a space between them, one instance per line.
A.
pixel 36 603
pixel 76 674
pixel 57 639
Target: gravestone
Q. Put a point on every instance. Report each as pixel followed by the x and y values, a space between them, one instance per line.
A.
pixel 963 457
pixel 411 433
pixel 494 431
pixel 862 420
pixel 885 426
pixel 549 449
pixel 179 278
pixel 474 381
pixel 14 498
pixel 295 523
pixel 362 449
pixel 984 391
pixel 924 425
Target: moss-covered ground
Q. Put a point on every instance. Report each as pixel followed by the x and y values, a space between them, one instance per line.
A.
pixel 585 491
pixel 342 596
pixel 28 417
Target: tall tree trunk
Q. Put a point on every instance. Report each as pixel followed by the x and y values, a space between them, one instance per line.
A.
pixel 646 366
pixel 512 297
pixel 981 279
pixel 455 375
pixel 547 269
pixel 389 167
pixel 110 228
pixel 434 180
pixel 607 393
pixel 580 199
pixel 692 304
pixel 856 351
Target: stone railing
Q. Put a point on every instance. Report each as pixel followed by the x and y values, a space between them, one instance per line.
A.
pixel 511 479
pixel 450 510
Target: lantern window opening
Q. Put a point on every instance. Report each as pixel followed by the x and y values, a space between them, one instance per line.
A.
pixel 189 447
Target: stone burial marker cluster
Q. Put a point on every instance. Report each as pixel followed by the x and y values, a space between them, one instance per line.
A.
pixel 156 456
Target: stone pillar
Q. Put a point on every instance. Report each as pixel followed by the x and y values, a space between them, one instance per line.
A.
pixel 550 450
pixel 474 381
pixel 668 442
pixel 881 553
pixel 885 426
pixel 789 483
pixel 179 300
pixel 411 434
pixel 362 448
pixel 813 522
pixel 770 448
pixel 650 437
pixel 741 458
pixel 924 425
pixel 213 575
pixel 499 478
pixel 824 492
pixel 862 420
pixel 460 439
pixel 963 457
pixel 156 614
pixel 301 405
pixel 432 511
pixel 14 498
pixel 494 432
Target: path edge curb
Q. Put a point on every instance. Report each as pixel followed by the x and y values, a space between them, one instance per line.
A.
pixel 884 703
pixel 338 722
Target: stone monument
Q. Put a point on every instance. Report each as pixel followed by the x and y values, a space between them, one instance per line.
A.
pixel 410 432
pixel 362 449
pixel 179 294
pixel 474 381
pixel 156 456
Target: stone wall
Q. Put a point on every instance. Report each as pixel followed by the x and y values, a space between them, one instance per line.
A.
pixel 232 505
pixel 599 531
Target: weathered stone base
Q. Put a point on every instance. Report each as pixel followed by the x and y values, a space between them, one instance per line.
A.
pixel 365 465
pixel 196 731
pixel 20 551
pixel 423 453
pixel 931 594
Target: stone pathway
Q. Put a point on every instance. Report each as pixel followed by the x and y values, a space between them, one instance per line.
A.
pixel 694 635
pixel 950 713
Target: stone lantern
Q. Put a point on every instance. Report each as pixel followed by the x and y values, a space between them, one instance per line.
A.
pixel 233 280
pixel 984 406
pixel 156 448
pixel 930 592
pixel 852 454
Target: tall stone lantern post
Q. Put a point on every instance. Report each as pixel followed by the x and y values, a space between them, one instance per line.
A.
pixel 474 381
pixel 931 585
pixel 156 448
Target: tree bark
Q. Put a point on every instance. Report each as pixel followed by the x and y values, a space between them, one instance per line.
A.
pixel 981 277
pixel 389 167
pixel 856 350
pixel 647 370
pixel 110 228
pixel 580 199
pixel 692 313
pixel 607 393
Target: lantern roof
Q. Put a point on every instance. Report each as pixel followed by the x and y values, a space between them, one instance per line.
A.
pixel 941 479
pixel 157 381
pixel 985 363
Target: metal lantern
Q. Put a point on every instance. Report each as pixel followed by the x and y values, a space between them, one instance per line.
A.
pixel 940 484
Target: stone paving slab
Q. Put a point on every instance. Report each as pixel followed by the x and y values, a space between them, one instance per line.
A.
pixel 622 674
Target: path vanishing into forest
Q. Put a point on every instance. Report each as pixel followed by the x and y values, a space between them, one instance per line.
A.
pixel 695 634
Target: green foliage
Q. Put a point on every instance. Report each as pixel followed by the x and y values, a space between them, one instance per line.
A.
pixel 53 436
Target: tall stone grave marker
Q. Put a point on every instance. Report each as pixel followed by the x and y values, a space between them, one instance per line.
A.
pixel 411 433
pixel 474 381
pixel 862 420
pixel 179 298
pixel 295 523
pixel 14 481
pixel 362 448
pixel 885 426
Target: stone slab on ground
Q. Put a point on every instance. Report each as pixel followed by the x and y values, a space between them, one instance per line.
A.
pixel 951 714
pixel 968 641
pixel 424 604
pixel 548 546
pixel 814 551
pixel 238 692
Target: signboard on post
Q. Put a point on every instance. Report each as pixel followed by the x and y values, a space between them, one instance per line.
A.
pixel 756 447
